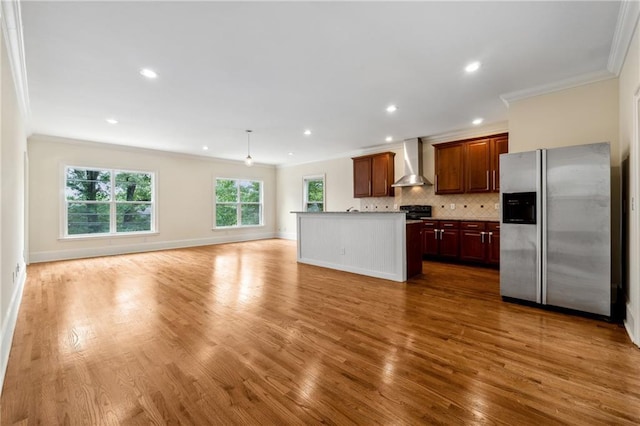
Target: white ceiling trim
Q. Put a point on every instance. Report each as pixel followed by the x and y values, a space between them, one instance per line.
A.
pixel 568 83
pixel 627 22
pixel 476 132
pixel 12 32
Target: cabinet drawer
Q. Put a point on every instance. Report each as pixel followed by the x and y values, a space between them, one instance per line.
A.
pixel 430 223
pixel 476 226
pixel 449 224
pixel 493 226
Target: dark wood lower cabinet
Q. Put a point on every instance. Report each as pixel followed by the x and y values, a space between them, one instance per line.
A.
pixel 414 249
pixel 468 241
pixel 441 238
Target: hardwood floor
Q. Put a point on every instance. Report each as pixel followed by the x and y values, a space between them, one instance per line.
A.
pixel 242 334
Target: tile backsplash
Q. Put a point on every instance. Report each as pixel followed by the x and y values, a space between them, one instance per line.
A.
pixel 472 206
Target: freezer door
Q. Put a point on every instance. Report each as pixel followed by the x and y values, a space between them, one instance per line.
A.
pixel 577 219
pixel 519 243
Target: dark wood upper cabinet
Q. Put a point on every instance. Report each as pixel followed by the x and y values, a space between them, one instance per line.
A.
pixel 361 177
pixel 499 145
pixel 478 173
pixel 373 175
pixel 470 165
pixel 449 168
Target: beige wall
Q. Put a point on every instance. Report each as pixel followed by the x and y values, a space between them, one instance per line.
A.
pixel 629 84
pixel 580 115
pixel 184 190
pixel 12 209
pixel 338 196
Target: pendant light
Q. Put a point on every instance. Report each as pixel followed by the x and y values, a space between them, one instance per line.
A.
pixel 248 161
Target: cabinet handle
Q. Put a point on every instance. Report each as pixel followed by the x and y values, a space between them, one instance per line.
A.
pixel 435 234
pixel 482 237
pixel 441 232
pixel 370 188
pixel 472 226
pixel 448 224
pixel 490 234
pixel 494 180
pixel 488 180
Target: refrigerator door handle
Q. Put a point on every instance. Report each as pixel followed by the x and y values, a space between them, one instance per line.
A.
pixel 542 224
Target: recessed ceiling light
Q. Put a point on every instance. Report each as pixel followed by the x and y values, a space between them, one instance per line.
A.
pixel 111 121
pixel 290 153
pixel 307 132
pixel 205 148
pixel 472 67
pixel 392 108
pixel 477 121
pixel 146 72
pixel 389 139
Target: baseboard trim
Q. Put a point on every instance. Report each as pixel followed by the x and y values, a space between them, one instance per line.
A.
pixel 355 270
pixel 629 325
pixel 54 255
pixel 287 236
pixel 9 324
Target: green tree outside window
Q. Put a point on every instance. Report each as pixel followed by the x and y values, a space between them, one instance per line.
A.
pixel 238 203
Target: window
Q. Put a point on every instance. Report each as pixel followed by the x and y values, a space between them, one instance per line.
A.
pixel 238 203
pixel 313 193
pixel 103 201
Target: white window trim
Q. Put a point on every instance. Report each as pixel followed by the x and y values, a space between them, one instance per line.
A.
pixel 305 191
pixel 215 204
pixel 63 235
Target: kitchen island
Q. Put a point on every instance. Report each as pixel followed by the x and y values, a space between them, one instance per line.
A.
pixel 366 243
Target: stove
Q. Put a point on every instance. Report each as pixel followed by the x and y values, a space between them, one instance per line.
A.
pixel 416 212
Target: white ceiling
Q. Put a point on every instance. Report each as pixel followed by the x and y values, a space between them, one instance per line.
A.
pixel 281 68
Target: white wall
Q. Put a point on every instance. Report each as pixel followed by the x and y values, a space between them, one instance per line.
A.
pixel 12 213
pixel 338 190
pixel 629 95
pixel 185 186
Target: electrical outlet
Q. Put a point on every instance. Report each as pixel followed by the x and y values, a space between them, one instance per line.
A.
pixel 497 206
pixel 395 207
pixel 342 250
pixel 452 206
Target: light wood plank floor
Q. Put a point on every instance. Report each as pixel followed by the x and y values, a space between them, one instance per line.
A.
pixel 242 334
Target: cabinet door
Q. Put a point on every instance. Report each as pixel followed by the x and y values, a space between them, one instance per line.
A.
pixel 499 146
pixel 493 253
pixel 472 245
pixel 430 238
pixel 362 177
pixel 449 168
pixel 382 175
pixel 414 249
pixel 478 163
pixel 449 243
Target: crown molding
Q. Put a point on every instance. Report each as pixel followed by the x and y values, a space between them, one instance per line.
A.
pixel 579 80
pixel 12 31
pixel 476 132
pixel 627 23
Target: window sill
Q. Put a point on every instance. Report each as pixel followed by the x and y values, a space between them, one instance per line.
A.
pixel 108 236
pixel 233 228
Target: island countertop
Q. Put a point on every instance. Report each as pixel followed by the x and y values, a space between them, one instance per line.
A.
pixel 354 212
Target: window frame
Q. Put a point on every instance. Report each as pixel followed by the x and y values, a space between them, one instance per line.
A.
pixel 113 202
pixel 305 190
pixel 238 204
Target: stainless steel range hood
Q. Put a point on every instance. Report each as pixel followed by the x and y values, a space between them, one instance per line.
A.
pixel 412 165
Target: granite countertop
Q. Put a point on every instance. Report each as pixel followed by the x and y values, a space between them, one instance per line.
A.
pixel 467 219
pixel 355 212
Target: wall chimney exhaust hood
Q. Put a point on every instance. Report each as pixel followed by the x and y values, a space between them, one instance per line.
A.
pixel 412 165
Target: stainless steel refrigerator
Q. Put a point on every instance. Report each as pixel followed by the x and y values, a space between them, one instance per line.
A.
pixel 555 241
